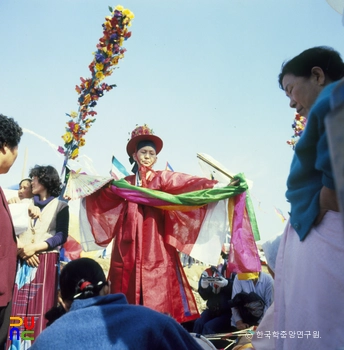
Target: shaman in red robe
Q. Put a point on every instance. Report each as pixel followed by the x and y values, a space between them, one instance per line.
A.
pixel 145 264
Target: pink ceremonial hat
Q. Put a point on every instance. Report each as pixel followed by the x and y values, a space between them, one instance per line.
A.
pixel 143 133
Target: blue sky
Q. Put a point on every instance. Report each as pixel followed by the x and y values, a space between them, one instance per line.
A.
pixel 201 73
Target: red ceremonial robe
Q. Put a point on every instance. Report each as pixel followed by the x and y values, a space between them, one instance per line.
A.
pixel 145 264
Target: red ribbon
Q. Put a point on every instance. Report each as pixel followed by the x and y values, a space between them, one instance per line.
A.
pixel 84 285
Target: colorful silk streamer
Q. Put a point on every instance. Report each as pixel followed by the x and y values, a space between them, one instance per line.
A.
pixel 243 253
pixel 252 216
pixel 183 202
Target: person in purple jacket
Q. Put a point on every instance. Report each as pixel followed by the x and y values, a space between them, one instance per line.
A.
pixel 95 319
pixel 10 135
pixel 35 290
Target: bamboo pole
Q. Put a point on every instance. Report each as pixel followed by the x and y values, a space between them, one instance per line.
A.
pixel 24 164
pixel 205 160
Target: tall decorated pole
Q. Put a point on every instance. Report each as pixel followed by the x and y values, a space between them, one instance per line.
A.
pixel 109 51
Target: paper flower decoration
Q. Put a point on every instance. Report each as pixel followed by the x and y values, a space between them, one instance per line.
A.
pixel 109 52
pixel 298 126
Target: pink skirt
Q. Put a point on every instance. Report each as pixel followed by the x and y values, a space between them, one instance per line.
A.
pixel 309 287
pixel 35 292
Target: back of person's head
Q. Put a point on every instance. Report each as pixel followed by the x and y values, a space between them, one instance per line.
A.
pixel 47 177
pixel 224 255
pixel 324 57
pixel 81 279
pixel 10 132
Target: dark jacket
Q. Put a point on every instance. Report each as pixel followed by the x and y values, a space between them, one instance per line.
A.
pixel 217 303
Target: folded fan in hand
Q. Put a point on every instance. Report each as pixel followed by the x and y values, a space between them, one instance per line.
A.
pixel 82 185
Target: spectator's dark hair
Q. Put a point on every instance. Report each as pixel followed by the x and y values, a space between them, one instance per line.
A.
pixel 324 57
pixel 81 279
pixel 10 132
pixel 48 177
pixel 54 313
pixel 26 179
pixel 224 255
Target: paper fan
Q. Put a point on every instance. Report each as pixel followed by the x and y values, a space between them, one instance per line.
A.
pixel 82 185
